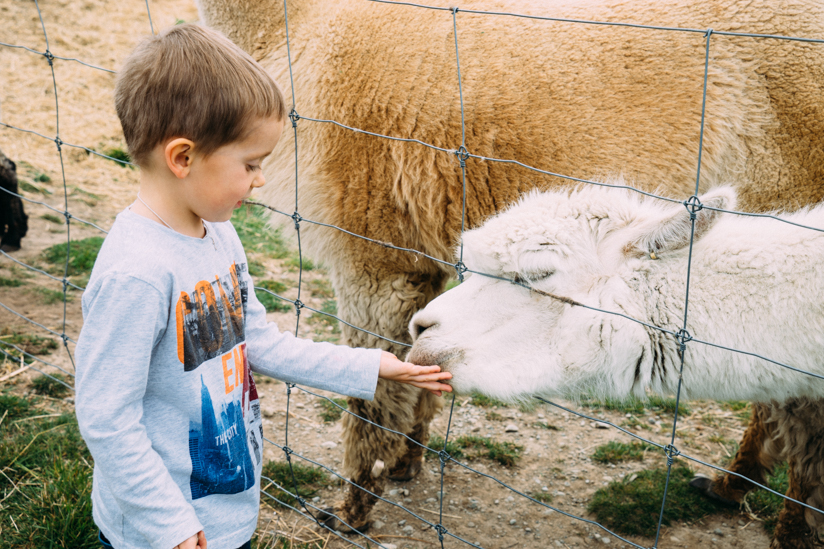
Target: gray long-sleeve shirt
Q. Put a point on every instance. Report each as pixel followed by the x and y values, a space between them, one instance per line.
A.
pixel 165 399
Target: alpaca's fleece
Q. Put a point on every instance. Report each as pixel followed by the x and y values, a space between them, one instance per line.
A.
pixel 755 285
pixel 580 100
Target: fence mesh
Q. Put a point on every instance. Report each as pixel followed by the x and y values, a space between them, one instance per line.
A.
pixel 669 452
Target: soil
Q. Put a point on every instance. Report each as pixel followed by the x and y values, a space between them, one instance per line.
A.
pixel 475 508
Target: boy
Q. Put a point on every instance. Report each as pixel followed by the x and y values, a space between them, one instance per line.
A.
pixel 165 398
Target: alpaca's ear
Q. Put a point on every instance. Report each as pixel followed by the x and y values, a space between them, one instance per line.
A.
pixel 671 230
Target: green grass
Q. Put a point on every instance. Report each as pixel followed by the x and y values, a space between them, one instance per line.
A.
pixel 255 234
pixel 309 480
pixel 256 269
pixel 32 188
pixel 57 220
pixel 45 385
pixel 10 282
pixel 118 153
pixel 633 406
pixel 548 426
pixel 322 288
pixel 475 447
pixel 632 507
pixel 82 255
pixel 485 401
pixel 330 307
pixel 294 263
pixel 49 463
pixel 543 497
pixel 615 452
pixel 492 415
pixel 452 284
pixel 329 412
pixel 30 343
pixel 270 302
pixel 767 505
pixel 15 407
pixel 50 296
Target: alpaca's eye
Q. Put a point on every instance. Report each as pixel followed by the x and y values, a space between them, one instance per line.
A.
pixel 532 276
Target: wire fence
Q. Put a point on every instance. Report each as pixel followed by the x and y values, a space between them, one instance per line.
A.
pixel 679 335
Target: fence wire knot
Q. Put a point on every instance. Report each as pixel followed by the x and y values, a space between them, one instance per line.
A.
pixel 49 57
pixel 294 117
pixel 671 452
pixel 441 530
pixel 693 206
pixel 59 143
pixel 444 456
pixel 68 216
pixel 288 451
pixel 683 337
pixel 298 306
pixel 297 219
pixel 460 268
pixel 461 152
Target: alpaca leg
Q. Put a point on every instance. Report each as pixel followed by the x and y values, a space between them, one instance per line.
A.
pixel 792 530
pixel 409 465
pixel 751 462
pixel 382 303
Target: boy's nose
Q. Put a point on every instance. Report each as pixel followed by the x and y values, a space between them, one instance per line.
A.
pixel 259 181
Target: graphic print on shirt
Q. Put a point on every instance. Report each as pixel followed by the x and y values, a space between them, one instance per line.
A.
pixel 208 326
pixel 225 441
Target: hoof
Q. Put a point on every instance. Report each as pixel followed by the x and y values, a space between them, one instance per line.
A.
pixel 8 248
pixel 403 472
pixel 328 518
pixel 704 484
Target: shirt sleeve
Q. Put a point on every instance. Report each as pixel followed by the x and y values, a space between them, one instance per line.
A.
pixel 337 368
pixel 123 319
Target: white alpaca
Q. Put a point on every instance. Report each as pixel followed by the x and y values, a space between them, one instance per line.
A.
pixel 756 285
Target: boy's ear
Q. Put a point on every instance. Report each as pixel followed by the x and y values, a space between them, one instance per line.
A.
pixel 178 155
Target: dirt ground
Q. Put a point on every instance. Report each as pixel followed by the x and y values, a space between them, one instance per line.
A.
pixel 476 509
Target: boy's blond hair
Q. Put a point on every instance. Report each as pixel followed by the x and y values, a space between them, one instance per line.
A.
pixel 193 82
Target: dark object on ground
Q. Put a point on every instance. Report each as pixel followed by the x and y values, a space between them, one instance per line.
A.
pixel 13 220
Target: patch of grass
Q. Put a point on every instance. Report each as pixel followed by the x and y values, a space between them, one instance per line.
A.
pixel 475 447
pixel 256 269
pixel 273 540
pixel 255 234
pixel 88 198
pixel 15 407
pixel 57 220
pixel 545 425
pixel 321 287
pixel 767 505
pixel 270 302
pixel 32 188
pixel 10 282
pixel 50 296
pixel 45 385
pixel 634 406
pixel 486 402
pixel 82 255
pixel 294 263
pixel 329 412
pixel 632 507
pixel 452 448
pixel 615 452
pixel 741 408
pixel 120 156
pixel 543 497
pixel 330 306
pixel 494 416
pixel 452 284
pixel 50 465
pixel 30 343
pixel 309 480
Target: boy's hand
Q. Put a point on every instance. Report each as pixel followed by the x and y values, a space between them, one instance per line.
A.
pixel 425 377
pixel 198 541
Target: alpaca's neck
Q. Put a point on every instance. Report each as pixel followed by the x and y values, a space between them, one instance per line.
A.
pixel 755 286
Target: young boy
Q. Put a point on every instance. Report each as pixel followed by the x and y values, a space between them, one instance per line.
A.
pixel 165 398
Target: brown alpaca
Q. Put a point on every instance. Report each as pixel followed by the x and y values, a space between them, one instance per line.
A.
pixel 579 100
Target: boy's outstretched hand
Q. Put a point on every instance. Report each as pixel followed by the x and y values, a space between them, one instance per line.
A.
pixel 425 377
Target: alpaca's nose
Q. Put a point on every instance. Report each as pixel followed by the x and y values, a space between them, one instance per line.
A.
pixel 419 325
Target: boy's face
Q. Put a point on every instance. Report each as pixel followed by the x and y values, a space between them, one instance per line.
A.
pixel 220 182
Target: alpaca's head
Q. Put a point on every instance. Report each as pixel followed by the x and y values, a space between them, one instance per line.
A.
pixel 588 246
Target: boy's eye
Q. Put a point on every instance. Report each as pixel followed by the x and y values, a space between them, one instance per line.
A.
pixel 251 167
